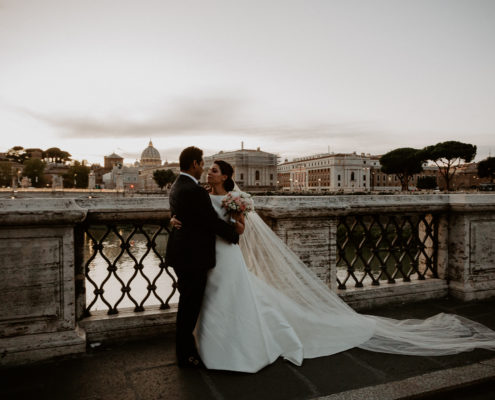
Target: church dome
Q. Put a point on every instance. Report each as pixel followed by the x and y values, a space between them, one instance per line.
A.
pixel 150 156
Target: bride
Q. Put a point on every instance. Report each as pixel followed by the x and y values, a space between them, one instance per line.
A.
pixel 261 302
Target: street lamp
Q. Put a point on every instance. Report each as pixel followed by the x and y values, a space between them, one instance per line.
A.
pixel 319 184
pixel 75 181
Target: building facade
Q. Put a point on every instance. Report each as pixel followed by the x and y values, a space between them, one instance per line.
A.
pixel 353 172
pixel 254 170
pixel 327 172
pixel 138 176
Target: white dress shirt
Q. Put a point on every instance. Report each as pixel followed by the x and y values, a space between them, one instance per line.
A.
pixel 190 176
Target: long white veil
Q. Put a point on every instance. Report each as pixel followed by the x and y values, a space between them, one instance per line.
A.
pixel 269 259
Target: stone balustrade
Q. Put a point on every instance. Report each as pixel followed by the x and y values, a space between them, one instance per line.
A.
pixel 42 282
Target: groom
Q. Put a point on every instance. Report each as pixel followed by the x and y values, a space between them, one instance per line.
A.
pixel 191 249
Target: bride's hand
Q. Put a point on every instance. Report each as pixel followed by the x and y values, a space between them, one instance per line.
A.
pixel 240 222
pixel 175 222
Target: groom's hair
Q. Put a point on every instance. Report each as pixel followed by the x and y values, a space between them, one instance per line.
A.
pixel 187 157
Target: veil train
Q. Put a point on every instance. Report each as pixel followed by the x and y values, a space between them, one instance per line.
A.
pixel 272 261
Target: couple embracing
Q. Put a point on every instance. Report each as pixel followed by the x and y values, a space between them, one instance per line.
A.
pixel 191 246
pixel 246 299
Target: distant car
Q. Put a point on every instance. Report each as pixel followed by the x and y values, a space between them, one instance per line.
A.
pixel 486 187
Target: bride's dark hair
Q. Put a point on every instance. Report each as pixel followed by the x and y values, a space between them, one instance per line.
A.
pixel 226 169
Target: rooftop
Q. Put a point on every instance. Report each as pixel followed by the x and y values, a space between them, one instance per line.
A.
pixel 148 370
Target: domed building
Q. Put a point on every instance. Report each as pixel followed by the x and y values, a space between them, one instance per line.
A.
pixel 138 175
pixel 150 157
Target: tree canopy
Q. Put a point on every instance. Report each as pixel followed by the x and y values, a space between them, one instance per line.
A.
pixel 427 182
pixel 448 157
pixel 486 168
pixel 162 177
pixel 76 176
pixel 17 154
pixel 54 154
pixel 33 169
pixel 404 163
pixel 5 173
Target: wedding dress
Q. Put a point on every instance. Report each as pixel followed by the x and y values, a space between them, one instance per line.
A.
pixel 261 302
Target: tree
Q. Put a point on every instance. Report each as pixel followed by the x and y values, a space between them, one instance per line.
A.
pixel 486 168
pixel 54 154
pixel 427 182
pixel 448 157
pixel 404 163
pixel 5 173
pixel 17 154
pixel 33 169
pixel 162 177
pixel 77 176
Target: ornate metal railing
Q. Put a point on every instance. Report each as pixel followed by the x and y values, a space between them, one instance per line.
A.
pixel 379 248
pixel 120 251
pixel 124 265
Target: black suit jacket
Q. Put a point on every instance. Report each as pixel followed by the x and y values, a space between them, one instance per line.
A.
pixel 193 245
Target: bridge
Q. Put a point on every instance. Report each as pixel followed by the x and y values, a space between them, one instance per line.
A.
pixel 401 256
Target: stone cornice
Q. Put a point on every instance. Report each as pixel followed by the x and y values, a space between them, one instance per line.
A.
pixel 72 211
pixel 40 212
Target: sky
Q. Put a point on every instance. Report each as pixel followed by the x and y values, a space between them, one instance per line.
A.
pixel 293 77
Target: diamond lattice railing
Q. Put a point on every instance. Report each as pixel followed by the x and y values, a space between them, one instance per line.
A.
pixel 376 248
pixel 124 266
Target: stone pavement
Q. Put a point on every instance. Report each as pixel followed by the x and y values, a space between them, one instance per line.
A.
pixel 148 370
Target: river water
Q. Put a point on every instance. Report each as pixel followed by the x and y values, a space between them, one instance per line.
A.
pixel 125 264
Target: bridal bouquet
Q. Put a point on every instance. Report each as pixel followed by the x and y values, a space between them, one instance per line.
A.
pixel 238 202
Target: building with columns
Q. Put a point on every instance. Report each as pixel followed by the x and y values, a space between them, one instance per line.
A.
pixel 327 172
pixel 254 170
pixel 353 172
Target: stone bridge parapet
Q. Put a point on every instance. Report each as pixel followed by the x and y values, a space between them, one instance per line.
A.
pixel 42 282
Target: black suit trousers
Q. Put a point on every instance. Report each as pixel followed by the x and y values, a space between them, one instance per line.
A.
pixel 191 284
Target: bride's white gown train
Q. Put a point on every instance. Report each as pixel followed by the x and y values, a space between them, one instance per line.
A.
pixel 262 303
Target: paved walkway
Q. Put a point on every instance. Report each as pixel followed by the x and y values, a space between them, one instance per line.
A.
pixel 147 370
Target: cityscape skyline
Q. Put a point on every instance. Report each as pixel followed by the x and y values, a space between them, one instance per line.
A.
pixel 293 78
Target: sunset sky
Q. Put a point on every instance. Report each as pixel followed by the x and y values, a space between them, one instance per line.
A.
pixel 292 77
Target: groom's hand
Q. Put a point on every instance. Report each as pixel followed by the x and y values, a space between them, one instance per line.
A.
pixel 175 222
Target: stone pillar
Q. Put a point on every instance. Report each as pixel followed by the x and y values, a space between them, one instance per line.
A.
pixel 57 182
pixel 471 266
pixel 119 181
pixel 25 182
pixel 314 242
pixel 37 290
pixel 91 180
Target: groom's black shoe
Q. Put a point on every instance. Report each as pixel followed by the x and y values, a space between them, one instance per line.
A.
pixel 191 362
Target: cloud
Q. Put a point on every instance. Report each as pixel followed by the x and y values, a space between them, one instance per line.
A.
pixel 220 116
pixel 185 116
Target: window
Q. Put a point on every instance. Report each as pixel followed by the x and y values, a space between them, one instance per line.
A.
pixel 352 176
pixel 338 178
pixel 242 177
pixel 271 177
pixel 257 175
pixel 364 178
